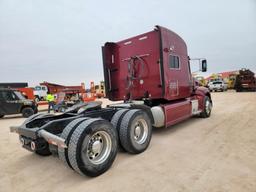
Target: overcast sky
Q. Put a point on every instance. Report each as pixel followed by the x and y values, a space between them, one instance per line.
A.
pixel 60 40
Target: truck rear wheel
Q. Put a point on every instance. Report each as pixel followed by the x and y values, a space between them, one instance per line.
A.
pixel 93 147
pixel 66 134
pixel 207 107
pixel 116 119
pixel 135 131
pixel 27 112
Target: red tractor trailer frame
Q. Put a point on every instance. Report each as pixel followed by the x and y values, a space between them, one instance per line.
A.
pixel 151 74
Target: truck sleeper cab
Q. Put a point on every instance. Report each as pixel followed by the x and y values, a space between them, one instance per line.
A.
pixel 151 74
pixel 154 67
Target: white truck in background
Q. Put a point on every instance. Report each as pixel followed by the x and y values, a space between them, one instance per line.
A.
pixel 40 92
pixel 217 85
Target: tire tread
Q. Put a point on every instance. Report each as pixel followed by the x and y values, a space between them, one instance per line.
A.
pixel 63 152
pixel 72 149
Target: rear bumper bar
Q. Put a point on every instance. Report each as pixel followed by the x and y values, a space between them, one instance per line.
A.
pixel 31 133
pixel 35 133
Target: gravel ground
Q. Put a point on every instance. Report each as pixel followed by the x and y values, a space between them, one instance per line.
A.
pixel 201 155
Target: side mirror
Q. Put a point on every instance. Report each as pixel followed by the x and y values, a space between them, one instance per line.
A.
pixel 203 65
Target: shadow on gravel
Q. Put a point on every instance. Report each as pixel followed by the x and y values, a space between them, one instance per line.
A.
pixel 17 116
pixel 43 165
pixel 12 117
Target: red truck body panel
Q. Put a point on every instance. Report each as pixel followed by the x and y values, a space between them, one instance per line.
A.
pixel 27 92
pixel 157 80
pixel 177 81
pixel 146 46
pixel 177 112
pixel 55 88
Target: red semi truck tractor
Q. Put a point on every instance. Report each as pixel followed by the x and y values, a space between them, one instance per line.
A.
pixel 151 74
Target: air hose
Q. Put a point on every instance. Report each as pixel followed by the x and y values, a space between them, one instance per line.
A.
pixel 132 73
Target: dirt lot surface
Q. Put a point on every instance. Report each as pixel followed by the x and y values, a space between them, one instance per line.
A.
pixel 201 155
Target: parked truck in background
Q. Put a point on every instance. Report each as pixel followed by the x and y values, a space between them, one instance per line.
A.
pixel 151 74
pixel 217 85
pixel 40 92
pixel 245 81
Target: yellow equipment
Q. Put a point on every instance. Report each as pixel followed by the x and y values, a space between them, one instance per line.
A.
pixel 231 81
pixel 202 81
pixel 215 77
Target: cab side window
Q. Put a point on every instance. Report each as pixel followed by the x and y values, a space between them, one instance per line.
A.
pixel 8 96
pixel 174 62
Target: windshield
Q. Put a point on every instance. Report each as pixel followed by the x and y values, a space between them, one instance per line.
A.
pixel 37 88
pixel 19 95
pixel 217 83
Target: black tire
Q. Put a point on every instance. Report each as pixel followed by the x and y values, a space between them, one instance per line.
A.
pixel 1 116
pixel 42 148
pixel 116 122
pixel 128 130
pixel 27 112
pixel 45 151
pixel 207 111
pixel 66 134
pixel 82 137
pixel 117 118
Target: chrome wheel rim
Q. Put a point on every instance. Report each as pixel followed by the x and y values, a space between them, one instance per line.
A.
pixel 98 148
pixel 208 107
pixel 140 132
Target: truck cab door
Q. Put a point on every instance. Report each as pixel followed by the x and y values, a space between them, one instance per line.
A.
pixel 173 75
pixel 44 91
pixel 177 76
